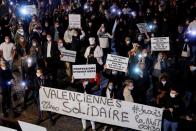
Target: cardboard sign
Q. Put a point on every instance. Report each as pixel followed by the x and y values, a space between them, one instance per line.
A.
pixel 160 44
pixel 30 127
pixel 74 21
pixel 117 63
pixel 68 55
pixel 29 10
pixel 143 27
pixel 2 128
pixel 101 109
pixel 84 71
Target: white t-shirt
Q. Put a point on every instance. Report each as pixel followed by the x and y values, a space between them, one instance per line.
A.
pixel 49 50
pixel 7 50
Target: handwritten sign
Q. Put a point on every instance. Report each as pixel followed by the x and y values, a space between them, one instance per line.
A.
pixel 84 71
pixel 143 27
pixel 29 10
pixel 74 21
pixel 30 127
pixel 160 44
pixel 116 62
pixel 68 55
pixel 101 109
pixel 6 129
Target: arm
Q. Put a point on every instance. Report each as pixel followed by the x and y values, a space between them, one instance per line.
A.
pixel 82 35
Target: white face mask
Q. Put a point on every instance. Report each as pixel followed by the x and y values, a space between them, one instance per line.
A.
pixel 114 72
pixel 49 39
pixel 130 87
pixel 172 95
pixel 3 68
pixel 145 54
pixel 34 44
pixel 85 83
pixel 192 68
pixel 38 74
pixel 110 86
pixel 128 42
pixel 7 41
pixel 163 82
pixel 61 44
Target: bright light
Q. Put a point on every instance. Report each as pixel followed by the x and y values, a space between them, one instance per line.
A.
pixel 23 83
pixel 193 33
pixel 136 70
pixel 23 11
pixel 11 3
pixel 85 6
pixel 151 27
pixel 29 60
pixel 140 55
pixel 9 82
pixel 119 12
pixel 133 13
pixel 113 10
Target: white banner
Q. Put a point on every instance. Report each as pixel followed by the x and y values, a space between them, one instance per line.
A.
pixel 29 10
pixel 116 62
pixel 160 44
pixel 30 127
pixel 6 129
pixel 84 71
pixel 74 21
pixel 101 109
pixel 68 55
pixel 143 27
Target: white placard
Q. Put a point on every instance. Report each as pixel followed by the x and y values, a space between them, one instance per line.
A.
pixel 30 127
pixel 68 55
pixel 117 63
pixel 74 21
pixel 160 44
pixel 2 128
pixel 84 71
pixel 143 27
pixel 101 109
pixel 29 10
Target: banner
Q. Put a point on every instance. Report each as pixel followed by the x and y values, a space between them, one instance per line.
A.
pixel 68 55
pixel 6 129
pixel 116 62
pixel 74 21
pixel 143 27
pixel 101 109
pixel 84 71
pixel 29 10
pixel 30 127
pixel 160 44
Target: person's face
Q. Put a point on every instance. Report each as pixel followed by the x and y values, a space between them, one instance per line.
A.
pixel 60 43
pixel 173 93
pixel 49 38
pixel 46 24
pixel 22 39
pixel 7 39
pixel 142 66
pixel 130 86
pixel 39 73
pixel 180 29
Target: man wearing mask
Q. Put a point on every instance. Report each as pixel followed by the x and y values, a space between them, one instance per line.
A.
pixel 125 47
pixel 6 81
pixel 51 57
pixel 173 108
pixel 94 53
pixel 8 51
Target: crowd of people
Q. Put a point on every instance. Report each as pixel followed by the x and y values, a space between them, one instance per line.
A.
pixel 165 79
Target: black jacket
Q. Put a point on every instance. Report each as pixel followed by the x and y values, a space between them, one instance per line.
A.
pixel 5 77
pixel 54 51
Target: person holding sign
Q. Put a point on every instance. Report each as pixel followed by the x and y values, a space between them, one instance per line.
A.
pixel 94 53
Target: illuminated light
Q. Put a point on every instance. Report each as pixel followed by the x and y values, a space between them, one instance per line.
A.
pixel 151 27
pixel 9 82
pixel 193 33
pixel 119 12
pixel 140 55
pixel 86 6
pixel 113 10
pixel 29 60
pixel 23 11
pixel 23 83
pixel 11 3
pixel 133 13
pixel 136 70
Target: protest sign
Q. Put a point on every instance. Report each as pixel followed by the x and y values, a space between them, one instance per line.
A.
pixel 30 127
pixel 6 129
pixel 143 27
pixel 160 44
pixel 101 109
pixel 116 62
pixel 84 71
pixel 74 21
pixel 29 10
pixel 68 55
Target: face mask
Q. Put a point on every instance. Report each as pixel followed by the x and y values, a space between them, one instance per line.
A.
pixel 22 40
pixel 110 86
pixel 172 95
pixel 102 30
pixel 145 54
pixel 61 44
pixel 114 72
pixel 85 83
pixel 139 38
pixel 130 87
pixel 49 39
pixel 3 68
pixel 128 42
pixel 38 74
pixel 192 68
pixel 34 44
pixel 7 41
pixel 163 82
pixel 33 20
